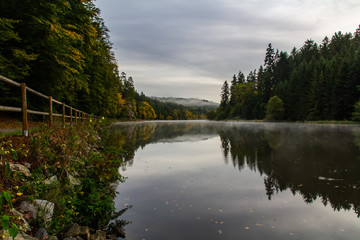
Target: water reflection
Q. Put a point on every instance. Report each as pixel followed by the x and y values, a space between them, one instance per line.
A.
pixel 312 160
pixel 138 134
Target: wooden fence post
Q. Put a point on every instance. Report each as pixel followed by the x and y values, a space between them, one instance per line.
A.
pixel 71 116
pixel 24 110
pixel 76 113
pixel 63 105
pixel 50 112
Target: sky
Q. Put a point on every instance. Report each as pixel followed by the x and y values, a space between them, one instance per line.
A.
pixel 188 48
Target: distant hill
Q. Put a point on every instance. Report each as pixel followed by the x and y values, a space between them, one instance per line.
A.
pixel 188 102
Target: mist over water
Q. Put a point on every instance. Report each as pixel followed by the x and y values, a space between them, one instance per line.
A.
pixel 232 180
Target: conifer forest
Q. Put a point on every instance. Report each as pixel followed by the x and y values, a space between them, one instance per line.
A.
pixel 314 82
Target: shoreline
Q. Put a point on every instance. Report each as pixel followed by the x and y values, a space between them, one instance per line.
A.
pixel 66 167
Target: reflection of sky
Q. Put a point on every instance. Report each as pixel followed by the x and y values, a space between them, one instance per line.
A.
pixel 184 190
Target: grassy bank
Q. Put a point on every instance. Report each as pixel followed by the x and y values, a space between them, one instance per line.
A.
pixel 68 167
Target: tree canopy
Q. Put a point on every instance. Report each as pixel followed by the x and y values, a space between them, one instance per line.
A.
pixel 315 82
pixel 62 49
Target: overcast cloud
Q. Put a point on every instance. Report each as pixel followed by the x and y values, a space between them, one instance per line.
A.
pixel 185 48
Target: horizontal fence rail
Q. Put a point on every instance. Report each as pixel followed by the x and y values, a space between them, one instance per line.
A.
pixel 75 114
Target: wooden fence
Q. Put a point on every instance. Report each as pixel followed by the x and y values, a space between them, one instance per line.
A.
pixel 74 114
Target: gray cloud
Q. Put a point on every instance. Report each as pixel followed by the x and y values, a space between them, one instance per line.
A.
pixel 188 48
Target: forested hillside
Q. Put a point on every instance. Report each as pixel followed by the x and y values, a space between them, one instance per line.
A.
pixel 315 82
pixel 62 49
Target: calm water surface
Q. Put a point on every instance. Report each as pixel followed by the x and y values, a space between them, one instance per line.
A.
pixel 233 180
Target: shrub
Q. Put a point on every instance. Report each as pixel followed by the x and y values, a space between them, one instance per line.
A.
pixel 275 109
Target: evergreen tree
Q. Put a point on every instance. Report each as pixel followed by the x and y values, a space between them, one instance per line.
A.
pixel 316 82
pixel 241 77
pixel 225 94
pixel 269 57
pixel 233 82
pixel 251 77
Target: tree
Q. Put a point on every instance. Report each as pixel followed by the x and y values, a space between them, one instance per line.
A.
pixel 275 109
pixel 269 57
pixel 356 113
pixel 316 82
pixel 241 77
pixel 233 82
pixel 146 111
pixel 225 93
pixel 251 77
pixel 245 101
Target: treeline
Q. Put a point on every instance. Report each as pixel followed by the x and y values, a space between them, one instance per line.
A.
pixel 315 82
pixel 62 49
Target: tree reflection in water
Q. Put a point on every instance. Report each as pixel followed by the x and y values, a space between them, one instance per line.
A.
pixel 316 161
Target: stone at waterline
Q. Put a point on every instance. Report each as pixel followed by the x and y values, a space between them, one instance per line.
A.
pixel 41 234
pixel 74 181
pixel 19 168
pixel 85 232
pixel 99 235
pixel 28 165
pixel 20 236
pixel 71 230
pixel 50 180
pixel 45 209
pixel 28 209
pixel 23 224
pixel 15 213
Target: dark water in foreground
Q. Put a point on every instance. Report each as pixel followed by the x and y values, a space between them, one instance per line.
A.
pixel 213 180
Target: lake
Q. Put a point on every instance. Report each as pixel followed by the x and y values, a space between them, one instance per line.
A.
pixel 238 180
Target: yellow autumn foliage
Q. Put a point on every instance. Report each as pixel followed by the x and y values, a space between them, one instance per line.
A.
pixel 146 111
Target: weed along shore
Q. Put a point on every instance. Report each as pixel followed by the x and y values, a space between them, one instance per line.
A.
pixel 58 183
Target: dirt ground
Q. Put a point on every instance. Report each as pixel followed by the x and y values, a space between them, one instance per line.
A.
pixel 11 122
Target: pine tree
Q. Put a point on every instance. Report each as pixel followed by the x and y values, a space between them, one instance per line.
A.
pixel 225 94
pixel 241 77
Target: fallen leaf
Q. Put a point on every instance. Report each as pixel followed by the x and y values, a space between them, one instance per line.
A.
pixel 247 228
pixel 220 232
